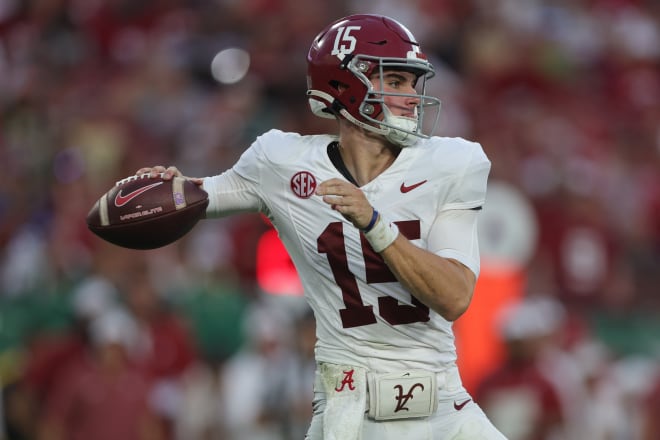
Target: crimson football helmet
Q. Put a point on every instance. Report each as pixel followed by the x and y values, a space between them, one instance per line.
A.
pixel 346 54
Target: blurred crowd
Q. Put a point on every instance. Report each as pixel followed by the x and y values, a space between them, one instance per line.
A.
pixel 182 343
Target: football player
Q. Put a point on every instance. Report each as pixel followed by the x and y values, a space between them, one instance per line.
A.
pixel 380 220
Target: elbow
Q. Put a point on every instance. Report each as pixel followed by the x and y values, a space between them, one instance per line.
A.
pixel 458 303
pixel 455 311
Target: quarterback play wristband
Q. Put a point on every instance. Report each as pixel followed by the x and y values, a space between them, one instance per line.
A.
pixel 382 234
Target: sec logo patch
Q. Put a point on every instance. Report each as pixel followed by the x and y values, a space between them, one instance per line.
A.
pixel 303 184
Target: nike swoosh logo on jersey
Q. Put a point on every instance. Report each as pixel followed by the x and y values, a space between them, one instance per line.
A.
pixel 121 200
pixel 460 406
pixel 404 189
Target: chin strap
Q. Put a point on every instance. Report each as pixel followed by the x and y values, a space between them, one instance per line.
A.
pixel 394 131
pixel 400 129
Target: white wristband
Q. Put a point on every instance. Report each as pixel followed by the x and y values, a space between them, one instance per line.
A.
pixel 382 234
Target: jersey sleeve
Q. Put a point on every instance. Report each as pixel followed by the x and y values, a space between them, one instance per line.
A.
pixel 237 189
pixel 454 235
pixel 454 231
pixel 469 189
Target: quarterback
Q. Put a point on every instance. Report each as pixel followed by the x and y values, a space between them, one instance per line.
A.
pixel 380 221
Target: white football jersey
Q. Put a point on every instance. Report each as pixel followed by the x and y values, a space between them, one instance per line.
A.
pixel 364 315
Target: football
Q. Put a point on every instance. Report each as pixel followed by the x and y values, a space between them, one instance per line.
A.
pixel 140 212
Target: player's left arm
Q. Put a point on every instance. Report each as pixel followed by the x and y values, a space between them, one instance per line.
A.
pixel 444 281
pixel 444 275
pixel 439 280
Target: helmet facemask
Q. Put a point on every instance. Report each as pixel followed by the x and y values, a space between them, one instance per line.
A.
pixel 400 130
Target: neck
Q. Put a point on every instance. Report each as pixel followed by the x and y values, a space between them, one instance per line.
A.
pixel 366 157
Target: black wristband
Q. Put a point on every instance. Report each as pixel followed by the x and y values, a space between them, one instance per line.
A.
pixel 371 224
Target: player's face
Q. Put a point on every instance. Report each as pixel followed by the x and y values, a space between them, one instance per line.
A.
pixel 396 81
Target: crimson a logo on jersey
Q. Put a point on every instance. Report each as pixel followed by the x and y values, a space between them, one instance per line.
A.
pixel 303 184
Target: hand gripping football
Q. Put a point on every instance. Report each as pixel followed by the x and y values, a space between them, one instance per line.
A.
pixel 140 212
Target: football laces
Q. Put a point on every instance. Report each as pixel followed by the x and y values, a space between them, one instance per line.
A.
pixel 133 178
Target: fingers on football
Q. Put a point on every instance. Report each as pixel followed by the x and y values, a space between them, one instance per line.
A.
pixel 157 170
pixel 171 172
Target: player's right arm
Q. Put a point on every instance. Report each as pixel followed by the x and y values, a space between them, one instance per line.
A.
pixel 240 188
pixel 228 192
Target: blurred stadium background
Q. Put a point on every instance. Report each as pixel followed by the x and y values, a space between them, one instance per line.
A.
pixel 209 338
